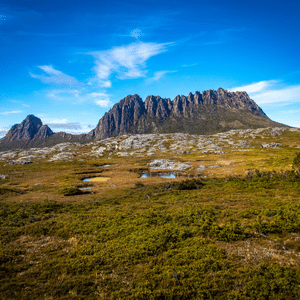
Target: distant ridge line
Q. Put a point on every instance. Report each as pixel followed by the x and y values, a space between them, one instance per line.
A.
pixel 208 112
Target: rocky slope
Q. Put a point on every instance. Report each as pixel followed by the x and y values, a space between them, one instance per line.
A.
pixel 208 112
pixel 157 146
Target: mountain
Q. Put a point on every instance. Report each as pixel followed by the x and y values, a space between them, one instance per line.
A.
pixel 31 130
pixel 200 113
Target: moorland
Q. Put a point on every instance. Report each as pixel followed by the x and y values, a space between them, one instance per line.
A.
pixel 226 227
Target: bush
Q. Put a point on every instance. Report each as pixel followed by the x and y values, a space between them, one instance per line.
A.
pixel 71 191
pixel 296 163
pixel 139 185
pixel 190 184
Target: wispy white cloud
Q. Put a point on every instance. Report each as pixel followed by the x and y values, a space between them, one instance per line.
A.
pixel 19 102
pixel 291 111
pixel 70 127
pixel 126 62
pixel 255 87
pixel 103 103
pixel 101 99
pixel 191 65
pixel 80 95
pixel 284 96
pixel 53 76
pixel 271 91
pixel 158 75
pixel 53 121
pixel 135 33
pixel 11 112
pixel 65 95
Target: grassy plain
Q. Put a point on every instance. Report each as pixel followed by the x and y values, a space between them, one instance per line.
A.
pixel 231 232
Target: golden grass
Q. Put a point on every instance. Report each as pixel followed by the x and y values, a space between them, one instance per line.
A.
pixel 100 179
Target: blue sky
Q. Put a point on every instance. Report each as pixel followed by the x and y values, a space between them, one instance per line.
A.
pixel 68 62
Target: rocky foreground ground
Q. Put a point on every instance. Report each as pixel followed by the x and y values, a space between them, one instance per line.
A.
pixel 147 145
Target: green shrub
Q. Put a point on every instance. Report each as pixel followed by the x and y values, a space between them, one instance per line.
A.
pixel 296 163
pixel 71 191
pixel 139 184
pixel 190 184
pixel 269 281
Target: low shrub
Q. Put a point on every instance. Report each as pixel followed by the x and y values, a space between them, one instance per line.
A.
pixel 71 191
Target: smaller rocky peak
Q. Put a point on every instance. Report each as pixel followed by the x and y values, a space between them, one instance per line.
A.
pixel 151 103
pixel 198 98
pixel 221 91
pixel 131 100
pixel 190 97
pixel 32 120
pixel 177 105
pixel 26 130
pixel 209 97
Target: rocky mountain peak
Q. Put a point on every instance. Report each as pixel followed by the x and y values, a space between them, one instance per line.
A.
pixel 26 130
pixel 225 110
pixel 21 134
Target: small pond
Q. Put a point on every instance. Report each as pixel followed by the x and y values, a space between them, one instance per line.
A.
pixel 101 165
pixel 96 179
pixel 168 175
pixel 86 188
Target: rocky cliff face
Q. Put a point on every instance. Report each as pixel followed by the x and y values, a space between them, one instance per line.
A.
pixel 31 128
pixel 202 113
pixel 122 116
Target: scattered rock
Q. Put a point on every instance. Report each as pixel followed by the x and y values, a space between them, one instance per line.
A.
pixel 201 168
pixel 271 145
pixel 25 162
pixel 166 164
pixel 216 166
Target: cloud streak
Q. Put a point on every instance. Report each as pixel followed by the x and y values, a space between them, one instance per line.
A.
pixel 126 62
pixel 158 75
pixel 80 95
pixel 101 99
pixel 11 112
pixel 255 87
pixel 69 127
pixel 53 76
pixel 284 96
pixel 271 91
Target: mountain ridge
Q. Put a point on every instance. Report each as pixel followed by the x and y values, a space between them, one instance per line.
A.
pixel 208 112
